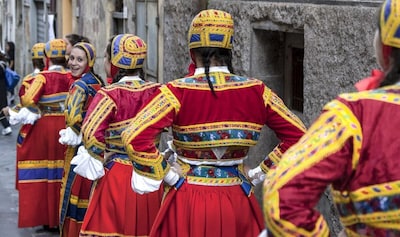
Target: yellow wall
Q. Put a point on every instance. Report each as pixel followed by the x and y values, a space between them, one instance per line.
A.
pixel 66 16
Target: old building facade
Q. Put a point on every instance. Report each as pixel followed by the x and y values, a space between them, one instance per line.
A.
pixel 308 51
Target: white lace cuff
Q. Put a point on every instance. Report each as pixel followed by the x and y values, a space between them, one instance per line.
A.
pixel 256 175
pixel 28 117
pixel 86 165
pixel 171 177
pixel 69 137
pixel 15 117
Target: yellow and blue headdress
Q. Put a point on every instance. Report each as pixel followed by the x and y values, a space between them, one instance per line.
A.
pixel 390 23
pixel 37 50
pixel 211 28
pixel 55 48
pixel 128 51
pixel 90 52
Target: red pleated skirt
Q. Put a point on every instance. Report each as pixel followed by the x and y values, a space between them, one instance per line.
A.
pixel 218 211
pixel 75 193
pixel 116 210
pixel 39 173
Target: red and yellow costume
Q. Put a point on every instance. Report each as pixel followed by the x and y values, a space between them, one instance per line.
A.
pixel 205 201
pixel 346 146
pixel 40 174
pixel 114 209
pixel 76 189
pixel 23 148
pixel 41 170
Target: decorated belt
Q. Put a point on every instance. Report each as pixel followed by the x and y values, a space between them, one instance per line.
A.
pixel 51 110
pixel 216 176
pixel 119 158
pixel 231 153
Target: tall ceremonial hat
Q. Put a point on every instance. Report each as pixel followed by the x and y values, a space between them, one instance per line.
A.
pixel 55 48
pixel 38 50
pixel 211 28
pixel 128 51
pixel 389 22
pixel 90 52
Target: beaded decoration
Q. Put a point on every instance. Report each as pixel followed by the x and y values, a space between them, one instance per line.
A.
pixel 38 50
pixel 390 23
pixel 211 28
pixel 55 48
pixel 128 51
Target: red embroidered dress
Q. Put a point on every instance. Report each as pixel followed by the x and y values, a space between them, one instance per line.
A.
pixel 353 145
pixel 23 147
pixel 214 198
pixel 114 209
pixel 40 173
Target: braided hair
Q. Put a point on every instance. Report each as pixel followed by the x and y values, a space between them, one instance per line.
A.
pixel 128 72
pixel 222 56
pixel 393 76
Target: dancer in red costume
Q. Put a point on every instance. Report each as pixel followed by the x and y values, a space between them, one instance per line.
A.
pixel 114 209
pixel 24 143
pixel 216 116
pixel 76 190
pixel 354 147
pixel 40 175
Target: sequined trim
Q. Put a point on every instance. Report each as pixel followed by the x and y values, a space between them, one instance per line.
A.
pixel 213 176
pixel 217 134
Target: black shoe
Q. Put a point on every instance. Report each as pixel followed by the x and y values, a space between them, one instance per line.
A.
pixel 46 228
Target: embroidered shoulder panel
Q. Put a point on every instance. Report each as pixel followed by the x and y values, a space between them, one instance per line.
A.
pixel 326 136
pixel 389 94
pixel 135 85
pixel 220 81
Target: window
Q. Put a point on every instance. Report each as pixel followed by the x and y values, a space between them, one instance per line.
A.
pixel 294 55
pixel 297 79
pixel 147 29
pixel 119 15
pixel 277 59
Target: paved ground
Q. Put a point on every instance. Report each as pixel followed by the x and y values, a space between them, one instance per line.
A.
pixel 8 194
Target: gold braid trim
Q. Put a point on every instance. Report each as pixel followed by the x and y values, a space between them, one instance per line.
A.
pixel 28 98
pixel 94 120
pixel 280 227
pixel 277 105
pixel 150 165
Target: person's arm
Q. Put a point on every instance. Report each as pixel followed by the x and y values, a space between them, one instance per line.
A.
pixel 74 105
pixel 286 125
pixel 34 92
pixel 325 154
pixel 139 139
pixel 11 64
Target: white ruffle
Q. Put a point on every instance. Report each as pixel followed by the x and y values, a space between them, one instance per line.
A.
pixel 142 185
pixel 256 175
pixel 86 165
pixel 69 137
